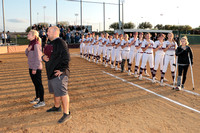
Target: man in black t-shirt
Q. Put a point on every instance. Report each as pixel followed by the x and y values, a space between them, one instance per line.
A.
pixel 57 67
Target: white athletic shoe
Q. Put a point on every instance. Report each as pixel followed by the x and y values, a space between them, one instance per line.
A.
pixel 140 77
pixel 129 72
pixel 178 88
pixel 136 75
pixel 94 60
pixel 162 83
pixel 154 80
pixel 103 63
pixel 106 65
pixel 112 66
pixel 116 68
pixel 165 79
pixel 146 74
pixel 39 104
pixel 89 60
pixel 97 62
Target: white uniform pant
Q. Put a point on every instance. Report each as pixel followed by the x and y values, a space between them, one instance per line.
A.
pixel 113 54
pixel 125 54
pixel 138 58
pixel 132 55
pixel 169 59
pixel 109 52
pixel 104 50
pixel 147 57
pixel 91 49
pixel 100 50
pixel 88 49
pixel 82 46
pixel 95 50
pixel 119 55
pixel 85 49
pixel 159 58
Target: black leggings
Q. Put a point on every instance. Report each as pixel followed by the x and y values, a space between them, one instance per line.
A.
pixel 183 70
pixel 37 81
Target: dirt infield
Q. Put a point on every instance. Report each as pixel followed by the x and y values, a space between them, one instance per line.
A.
pixel 102 100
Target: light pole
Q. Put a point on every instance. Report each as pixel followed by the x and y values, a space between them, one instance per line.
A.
pixel 44 13
pixel 178 13
pixel 119 16
pixel 104 23
pixel 56 12
pixel 4 26
pixel 37 17
pixel 122 13
pixel 30 15
pixel 161 16
pixel 76 14
pixel 81 14
pixel 108 23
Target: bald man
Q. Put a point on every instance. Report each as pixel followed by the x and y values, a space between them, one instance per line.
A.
pixel 57 67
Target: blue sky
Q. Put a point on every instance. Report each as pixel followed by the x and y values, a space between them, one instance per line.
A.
pixel 178 12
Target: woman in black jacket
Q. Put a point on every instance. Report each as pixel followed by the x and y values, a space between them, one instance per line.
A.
pixel 183 52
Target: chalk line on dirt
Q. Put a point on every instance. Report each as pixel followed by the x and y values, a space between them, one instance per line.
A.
pixel 166 98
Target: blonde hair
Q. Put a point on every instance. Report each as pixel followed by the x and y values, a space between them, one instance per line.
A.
pixel 126 35
pixel 186 39
pixel 36 34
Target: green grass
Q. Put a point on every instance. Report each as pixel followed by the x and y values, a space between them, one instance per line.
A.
pixel 20 40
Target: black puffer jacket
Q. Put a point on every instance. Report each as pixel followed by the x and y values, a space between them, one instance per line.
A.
pixel 59 59
pixel 183 55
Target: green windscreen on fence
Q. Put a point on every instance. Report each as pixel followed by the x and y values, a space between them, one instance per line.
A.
pixel 193 39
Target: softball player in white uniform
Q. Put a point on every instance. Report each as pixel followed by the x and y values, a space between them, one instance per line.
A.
pixel 82 45
pixel 85 48
pixel 159 55
pixel 119 53
pixel 104 42
pixel 88 46
pixel 109 50
pixel 133 52
pixel 96 46
pixel 125 45
pixel 91 47
pixel 169 47
pixel 115 42
pixel 147 47
pixel 100 49
pixel 139 54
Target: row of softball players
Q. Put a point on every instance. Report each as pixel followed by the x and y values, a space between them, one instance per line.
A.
pixel 121 49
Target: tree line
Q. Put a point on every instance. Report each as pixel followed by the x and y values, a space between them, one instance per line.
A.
pixel 148 25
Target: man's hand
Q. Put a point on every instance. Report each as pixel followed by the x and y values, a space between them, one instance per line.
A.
pixel 58 73
pixel 45 58
pixel 33 72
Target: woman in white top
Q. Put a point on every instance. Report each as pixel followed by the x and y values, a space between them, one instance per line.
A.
pixel 85 49
pixel 109 50
pixel 133 51
pixel 125 45
pixel 119 52
pixel 82 45
pixel 159 55
pixel 147 47
pixel 96 47
pixel 115 42
pixel 169 47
